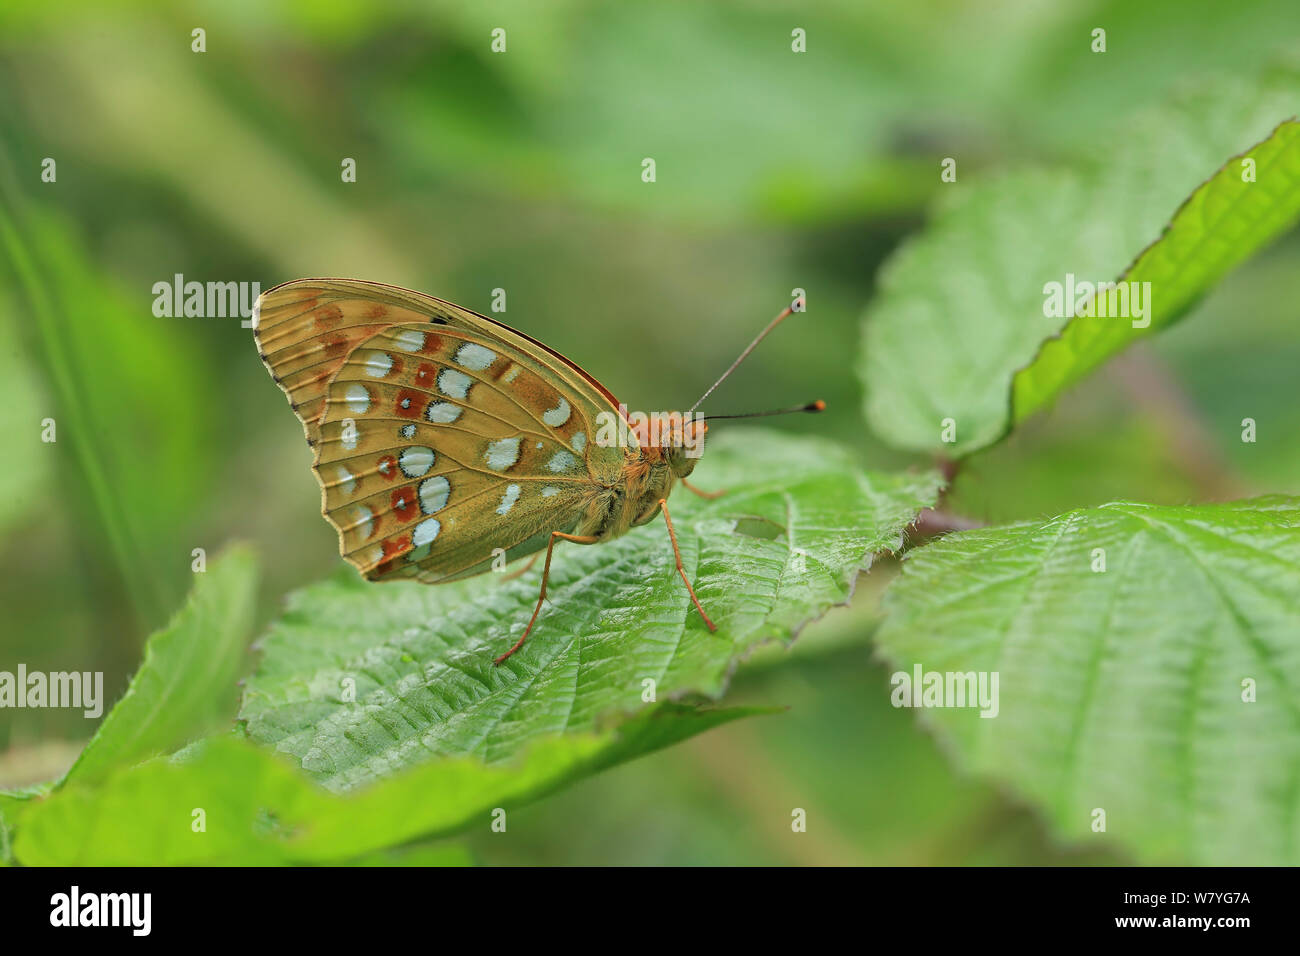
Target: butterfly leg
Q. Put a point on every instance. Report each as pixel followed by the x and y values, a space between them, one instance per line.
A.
pixel 672 536
pixel 706 495
pixel 546 573
pixel 520 572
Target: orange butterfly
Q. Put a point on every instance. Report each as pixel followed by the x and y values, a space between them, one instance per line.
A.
pixel 443 438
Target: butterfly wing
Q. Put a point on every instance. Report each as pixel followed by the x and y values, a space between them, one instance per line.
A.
pixel 440 435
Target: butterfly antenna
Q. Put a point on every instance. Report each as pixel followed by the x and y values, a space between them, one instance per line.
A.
pixel 816 406
pixel 796 306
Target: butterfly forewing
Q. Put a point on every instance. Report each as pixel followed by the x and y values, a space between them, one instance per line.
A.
pixel 440 435
pixel 305 334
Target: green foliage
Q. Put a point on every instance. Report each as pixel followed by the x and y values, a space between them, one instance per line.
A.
pixel 432 715
pixel 185 685
pixel 436 854
pixel 1123 671
pixel 787 540
pixel 962 307
pixel 258 810
pixel 12 805
pixel 878 788
pixel 1226 220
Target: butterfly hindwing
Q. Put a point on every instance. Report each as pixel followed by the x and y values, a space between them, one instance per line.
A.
pixel 452 447
pixel 441 437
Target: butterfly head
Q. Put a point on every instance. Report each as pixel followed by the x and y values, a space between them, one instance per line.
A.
pixel 685 446
pixel 675 438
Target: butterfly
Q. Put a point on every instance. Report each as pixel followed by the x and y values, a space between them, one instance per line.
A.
pixel 444 440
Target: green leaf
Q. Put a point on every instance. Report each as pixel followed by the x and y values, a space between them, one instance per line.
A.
pixel 12 804
pixel 1224 222
pixel 961 307
pixel 798 522
pixel 1122 689
pixel 186 683
pixel 438 854
pixel 257 809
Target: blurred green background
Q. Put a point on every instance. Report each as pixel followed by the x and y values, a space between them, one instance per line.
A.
pixel 522 170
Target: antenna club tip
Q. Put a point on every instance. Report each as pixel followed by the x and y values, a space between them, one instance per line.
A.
pixel 799 304
pixel 818 406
